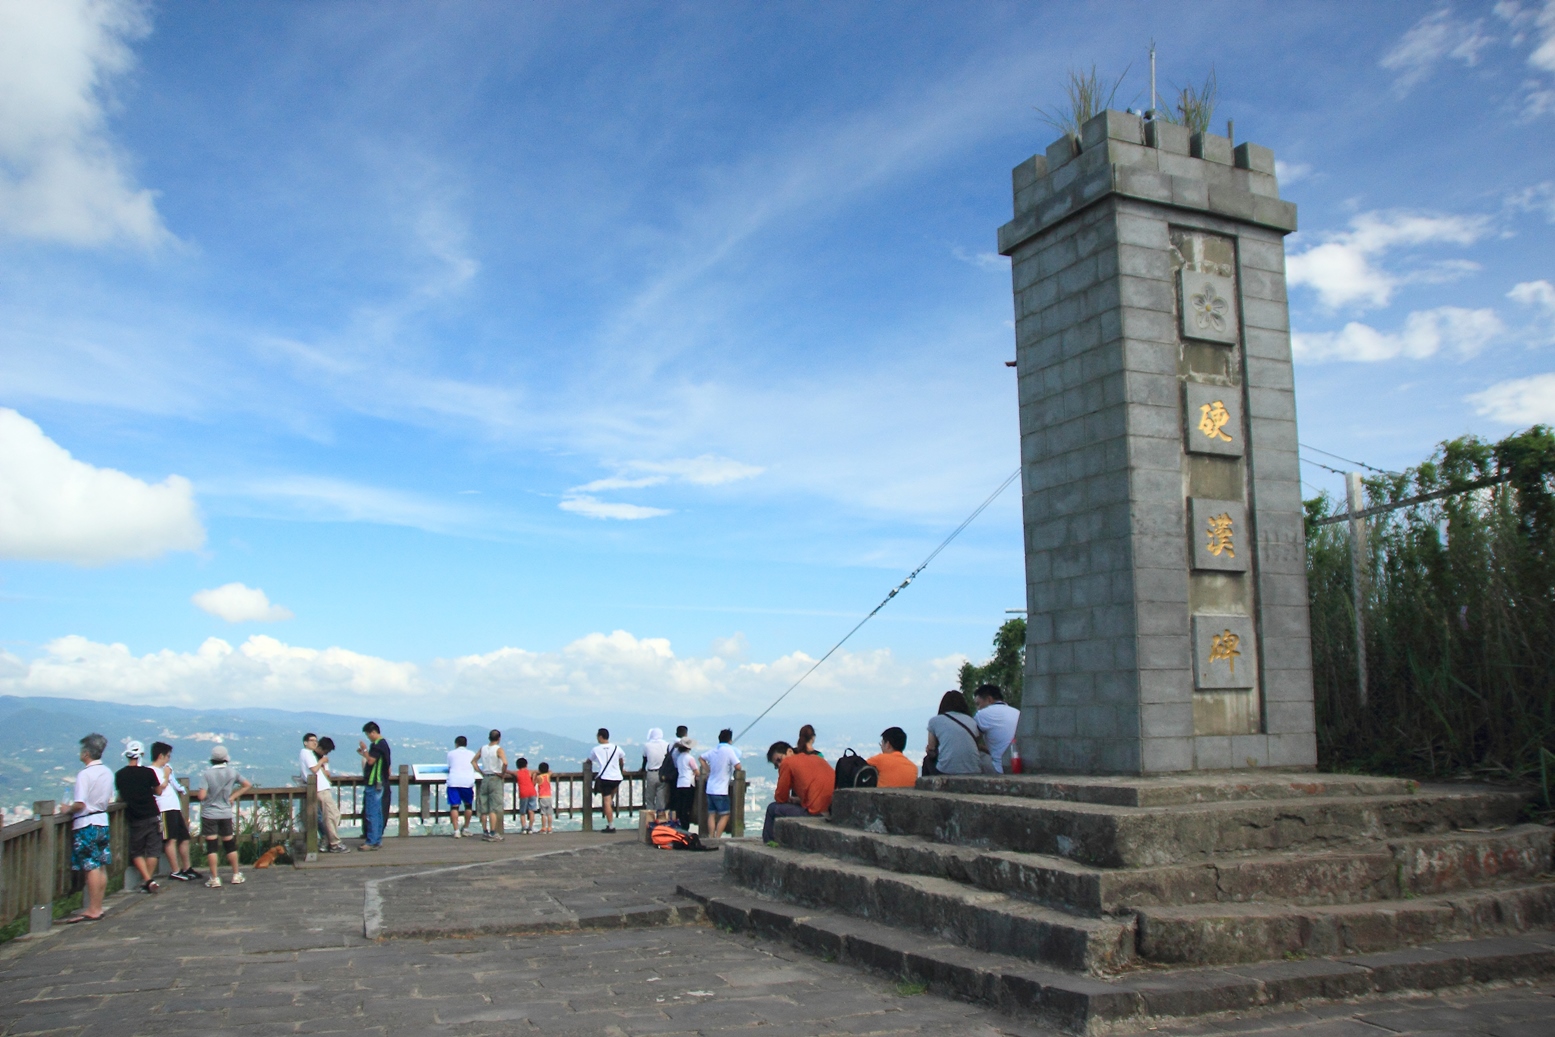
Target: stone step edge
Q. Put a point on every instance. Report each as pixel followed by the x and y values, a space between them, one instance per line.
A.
pixel 1388 848
pixel 689 912
pixel 1088 1005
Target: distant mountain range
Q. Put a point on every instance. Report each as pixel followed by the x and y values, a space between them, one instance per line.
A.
pixel 40 739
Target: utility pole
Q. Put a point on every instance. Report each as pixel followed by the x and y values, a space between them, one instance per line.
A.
pixel 1153 113
pixel 1355 495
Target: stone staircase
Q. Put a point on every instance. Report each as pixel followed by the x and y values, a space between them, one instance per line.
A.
pixel 1099 903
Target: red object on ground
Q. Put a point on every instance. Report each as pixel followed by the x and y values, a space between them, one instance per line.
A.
pixel 1016 766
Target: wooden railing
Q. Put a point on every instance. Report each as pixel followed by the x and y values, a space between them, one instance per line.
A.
pixel 35 861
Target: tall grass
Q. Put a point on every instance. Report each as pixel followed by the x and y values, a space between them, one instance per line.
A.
pixel 1459 610
pixel 1085 96
pixel 1195 106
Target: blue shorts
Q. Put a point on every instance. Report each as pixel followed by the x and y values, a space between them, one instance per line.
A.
pixel 717 804
pixel 90 849
pixel 458 797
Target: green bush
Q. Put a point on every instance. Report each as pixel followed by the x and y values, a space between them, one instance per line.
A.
pixel 1459 608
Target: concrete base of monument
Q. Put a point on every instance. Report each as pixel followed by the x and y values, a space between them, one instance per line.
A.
pixel 1101 903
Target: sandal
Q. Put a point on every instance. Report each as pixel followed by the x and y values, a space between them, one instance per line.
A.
pixel 73 919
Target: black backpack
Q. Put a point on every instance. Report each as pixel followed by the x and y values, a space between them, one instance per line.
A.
pixel 854 773
pixel 667 769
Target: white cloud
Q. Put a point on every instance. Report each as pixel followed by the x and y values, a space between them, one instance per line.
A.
pixel 1539 198
pixel 239 604
pixel 707 470
pixel 1518 401
pixel 1425 333
pixel 1535 22
pixel 1435 38
pixel 595 673
pixel 1288 173
pixel 61 178
pixel 592 507
pixel 55 508
pixel 1540 295
pixel 1344 269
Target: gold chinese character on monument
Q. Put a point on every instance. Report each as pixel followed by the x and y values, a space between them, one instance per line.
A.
pixel 1213 418
pixel 1223 646
pixel 1222 538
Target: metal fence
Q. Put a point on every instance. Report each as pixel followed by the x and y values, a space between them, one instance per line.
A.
pixel 35 859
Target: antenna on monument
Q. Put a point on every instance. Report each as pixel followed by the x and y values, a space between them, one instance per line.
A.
pixel 1152 80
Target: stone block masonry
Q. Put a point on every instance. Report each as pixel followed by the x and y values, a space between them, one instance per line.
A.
pixel 1165 557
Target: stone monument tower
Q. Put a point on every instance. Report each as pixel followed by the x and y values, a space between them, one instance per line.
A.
pixel 1165 561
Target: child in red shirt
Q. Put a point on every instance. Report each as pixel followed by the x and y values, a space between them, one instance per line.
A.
pixel 528 795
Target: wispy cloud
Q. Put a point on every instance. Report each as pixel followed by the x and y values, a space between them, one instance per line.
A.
pixel 323 499
pixel 1518 401
pixel 707 470
pixel 591 507
pixel 1436 38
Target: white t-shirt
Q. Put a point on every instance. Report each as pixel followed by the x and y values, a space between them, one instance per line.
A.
pixel 685 769
pixel 461 768
pixel 310 759
pixel 721 760
pixel 94 787
pixel 998 721
pixel 606 758
pixel 168 800
pixel 653 753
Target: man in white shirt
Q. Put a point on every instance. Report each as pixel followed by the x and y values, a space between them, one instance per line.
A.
pixel 655 792
pixel 720 762
pixel 461 785
pixel 89 845
pixel 606 760
pixel 997 719
pixel 315 768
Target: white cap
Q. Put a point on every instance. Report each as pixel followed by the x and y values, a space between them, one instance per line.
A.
pixel 134 751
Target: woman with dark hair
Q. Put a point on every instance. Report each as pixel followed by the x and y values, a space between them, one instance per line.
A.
pixel 806 742
pixel 954 740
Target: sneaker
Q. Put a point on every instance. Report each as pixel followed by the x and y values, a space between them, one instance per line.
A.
pixel 456 834
pixel 608 830
pixel 151 887
pixel 238 879
pixel 339 848
pixel 213 883
pixel 368 847
pixel 180 876
pixel 193 875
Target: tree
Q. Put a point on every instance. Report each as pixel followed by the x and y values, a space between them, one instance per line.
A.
pixel 1005 668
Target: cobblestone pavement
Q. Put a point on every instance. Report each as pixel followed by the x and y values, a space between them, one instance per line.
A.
pixel 285 954
pixel 597 887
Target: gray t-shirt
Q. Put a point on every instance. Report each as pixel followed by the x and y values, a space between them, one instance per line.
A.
pixel 957 744
pixel 218 783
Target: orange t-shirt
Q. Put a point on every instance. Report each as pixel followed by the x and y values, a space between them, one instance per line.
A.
pixel 526 782
pixel 543 785
pixel 810 778
pixel 896 770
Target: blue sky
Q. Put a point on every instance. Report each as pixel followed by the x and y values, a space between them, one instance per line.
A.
pixel 540 360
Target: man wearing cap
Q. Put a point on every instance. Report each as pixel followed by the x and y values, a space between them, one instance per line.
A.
pixel 218 788
pixel 139 786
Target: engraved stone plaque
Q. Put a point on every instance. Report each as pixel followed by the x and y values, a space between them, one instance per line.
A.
pixel 1214 414
pixel 1225 652
pixel 1208 307
pixel 1221 539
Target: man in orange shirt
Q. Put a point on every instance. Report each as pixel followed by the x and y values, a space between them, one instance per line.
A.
pixel 896 770
pixel 804 788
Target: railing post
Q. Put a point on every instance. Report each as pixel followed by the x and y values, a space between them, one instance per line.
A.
pixel 310 820
pixel 588 795
pixel 737 806
pixel 700 810
pixel 404 801
pixel 45 868
pixel 426 801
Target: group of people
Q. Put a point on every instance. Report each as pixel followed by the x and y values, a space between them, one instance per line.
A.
pixel 959 741
pixel 157 826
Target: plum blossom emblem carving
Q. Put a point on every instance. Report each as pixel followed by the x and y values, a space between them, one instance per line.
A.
pixel 1209 308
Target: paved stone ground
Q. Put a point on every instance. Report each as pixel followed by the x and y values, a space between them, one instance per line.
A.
pixel 285 954
pixel 588 887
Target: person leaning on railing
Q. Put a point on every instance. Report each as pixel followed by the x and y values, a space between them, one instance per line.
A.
pixel 90 849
